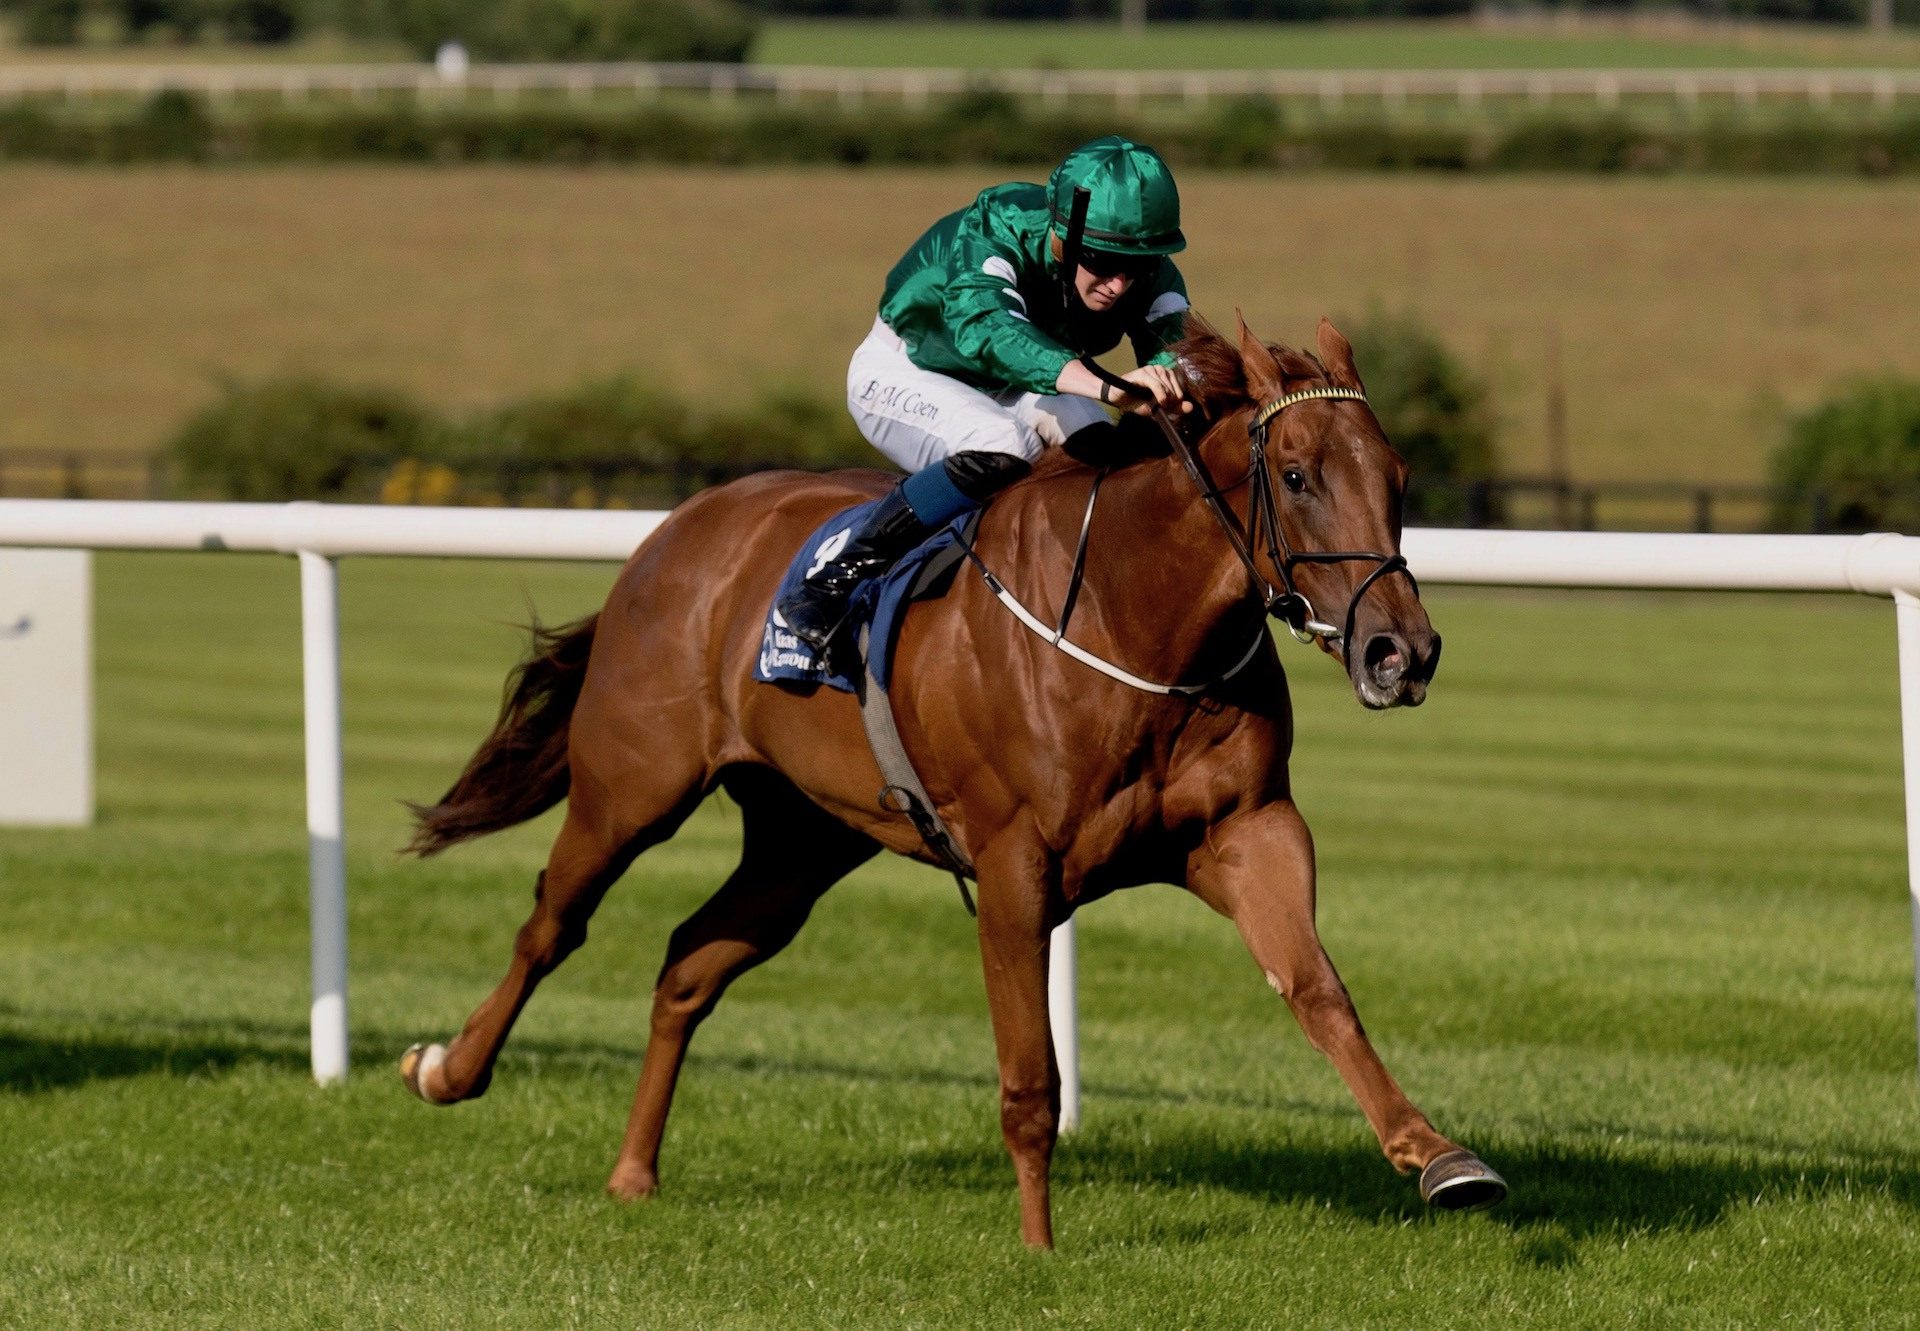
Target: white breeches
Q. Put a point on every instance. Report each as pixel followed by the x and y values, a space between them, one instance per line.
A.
pixel 918 417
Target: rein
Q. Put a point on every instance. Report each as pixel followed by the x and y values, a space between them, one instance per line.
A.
pixel 1057 635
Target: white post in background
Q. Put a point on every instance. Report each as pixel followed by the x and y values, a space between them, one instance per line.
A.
pixel 46 688
pixel 1907 612
pixel 326 848
pixel 1063 1015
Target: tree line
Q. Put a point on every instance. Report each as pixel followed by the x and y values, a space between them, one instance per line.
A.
pixel 697 30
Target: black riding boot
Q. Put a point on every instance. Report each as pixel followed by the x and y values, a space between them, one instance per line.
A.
pixel 817 607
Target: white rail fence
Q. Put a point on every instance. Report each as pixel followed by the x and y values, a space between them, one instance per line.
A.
pixel 1125 89
pixel 1876 565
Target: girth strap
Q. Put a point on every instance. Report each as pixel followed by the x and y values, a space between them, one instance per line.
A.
pixel 903 792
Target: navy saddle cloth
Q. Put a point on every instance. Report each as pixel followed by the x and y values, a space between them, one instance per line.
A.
pixel 878 603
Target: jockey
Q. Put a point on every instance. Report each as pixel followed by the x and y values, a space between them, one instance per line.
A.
pixel 971 367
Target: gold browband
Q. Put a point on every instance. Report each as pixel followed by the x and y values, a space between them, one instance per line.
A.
pixel 1279 404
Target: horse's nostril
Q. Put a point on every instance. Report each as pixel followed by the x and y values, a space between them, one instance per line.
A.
pixel 1386 657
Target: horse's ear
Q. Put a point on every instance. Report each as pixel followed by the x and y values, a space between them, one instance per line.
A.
pixel 1336 353
pixel 1264 379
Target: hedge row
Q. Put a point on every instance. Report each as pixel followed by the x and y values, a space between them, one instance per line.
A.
pixel 621 438
pixel 1851 462
pixel 309 438
pixel 982 127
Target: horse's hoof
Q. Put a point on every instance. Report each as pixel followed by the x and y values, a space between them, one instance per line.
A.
pixel 1461 1181
pixel 417 1064
pixel 632 1185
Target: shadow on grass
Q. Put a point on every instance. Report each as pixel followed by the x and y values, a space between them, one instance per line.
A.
pixel 32 1064
pixel 1562 1193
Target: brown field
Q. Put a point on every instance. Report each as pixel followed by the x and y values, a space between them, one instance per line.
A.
pixel 1687 311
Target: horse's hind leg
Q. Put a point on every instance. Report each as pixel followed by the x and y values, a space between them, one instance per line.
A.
pixel 793 853
pixel 607 825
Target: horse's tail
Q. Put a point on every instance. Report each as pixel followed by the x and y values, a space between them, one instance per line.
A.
pixel 520 769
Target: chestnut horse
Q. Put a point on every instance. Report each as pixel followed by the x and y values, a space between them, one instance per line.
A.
pixel 1060 784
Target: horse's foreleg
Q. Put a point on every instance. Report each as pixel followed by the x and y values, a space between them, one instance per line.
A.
pixel 1015 885
pixel 793 854
pixel 1257 868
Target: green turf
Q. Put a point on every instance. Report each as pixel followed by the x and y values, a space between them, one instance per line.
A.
pixel 1405 45
pixel 1623 907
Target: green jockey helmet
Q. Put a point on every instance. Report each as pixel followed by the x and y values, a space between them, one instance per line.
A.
pixel 1134 206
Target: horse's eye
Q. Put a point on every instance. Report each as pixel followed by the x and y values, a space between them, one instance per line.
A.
pixel 1296 479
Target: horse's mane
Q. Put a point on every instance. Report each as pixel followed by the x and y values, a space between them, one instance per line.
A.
pixel 1212 364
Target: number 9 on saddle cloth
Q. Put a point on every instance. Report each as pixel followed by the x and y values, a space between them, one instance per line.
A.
pixel 877 603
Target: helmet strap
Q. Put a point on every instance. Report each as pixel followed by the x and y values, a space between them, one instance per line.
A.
pixel 1070 259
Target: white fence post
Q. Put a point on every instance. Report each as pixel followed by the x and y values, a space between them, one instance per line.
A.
pixel 326 846
pixel 1907 613
pixel 1063 1015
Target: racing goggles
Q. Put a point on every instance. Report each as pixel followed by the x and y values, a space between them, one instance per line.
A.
pixel 1105 263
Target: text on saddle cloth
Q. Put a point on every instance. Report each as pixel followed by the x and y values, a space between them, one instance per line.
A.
pixel 878 604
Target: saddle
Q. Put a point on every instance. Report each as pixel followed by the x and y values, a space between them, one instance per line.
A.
pixel 875 610
pixel 860 661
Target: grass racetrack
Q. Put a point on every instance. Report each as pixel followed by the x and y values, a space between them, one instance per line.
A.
pixel 1623 906
pixel 1688 312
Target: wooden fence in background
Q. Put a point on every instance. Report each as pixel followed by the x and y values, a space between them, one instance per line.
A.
pixel 1124 89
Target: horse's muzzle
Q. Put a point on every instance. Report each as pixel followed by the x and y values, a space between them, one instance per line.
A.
pixel 1393 668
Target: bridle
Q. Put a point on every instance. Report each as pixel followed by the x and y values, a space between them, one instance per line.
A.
pixel 1287 603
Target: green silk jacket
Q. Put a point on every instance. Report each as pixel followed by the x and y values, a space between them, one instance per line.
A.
pixel 978 298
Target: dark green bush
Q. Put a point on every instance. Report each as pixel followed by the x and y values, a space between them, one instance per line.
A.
pixel 1853 462
pixel 1383 147
pixel 259 21
pixel 1246 132
pixel 61 22
pixel 1570 145
pixel 612 439
pixel 1433 409
pixel 617 419
pixel 48 22
pixel 262 21
pixel 172 126
pixel 297 438
pixel 28 132
pixel 788 427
